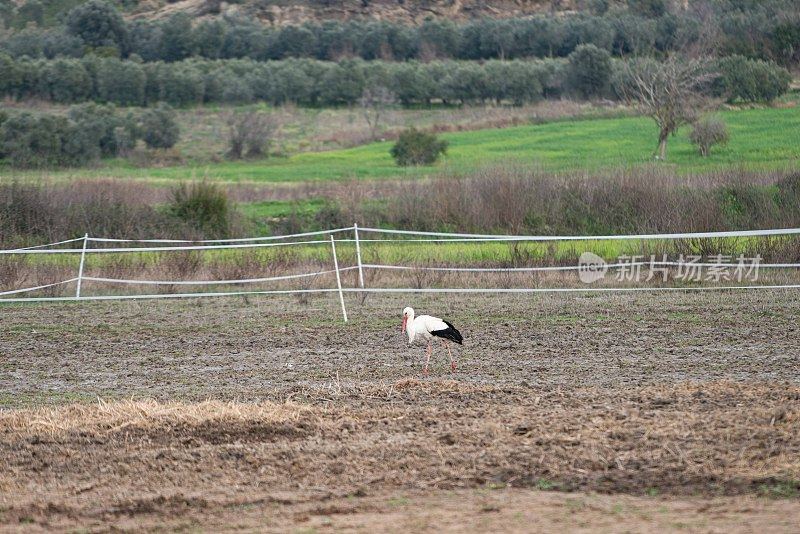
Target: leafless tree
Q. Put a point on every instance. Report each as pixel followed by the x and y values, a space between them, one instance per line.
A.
pixel 374 103
pixel 251 134
pixel 670 92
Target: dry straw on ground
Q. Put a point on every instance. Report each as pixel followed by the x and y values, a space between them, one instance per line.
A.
pixel 115 416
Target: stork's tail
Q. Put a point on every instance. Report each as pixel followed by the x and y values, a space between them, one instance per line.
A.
pixel 450 333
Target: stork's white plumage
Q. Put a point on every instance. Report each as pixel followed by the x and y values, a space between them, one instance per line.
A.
pixel 427 327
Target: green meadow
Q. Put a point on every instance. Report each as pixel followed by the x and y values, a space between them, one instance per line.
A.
pixel 760 138
pixel 405 252
pixel 459 253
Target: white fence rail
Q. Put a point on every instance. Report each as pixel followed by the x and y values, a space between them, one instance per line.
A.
pixel 89 246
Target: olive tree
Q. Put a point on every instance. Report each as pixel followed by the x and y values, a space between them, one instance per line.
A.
pixel 114 133
pixel 31 11
pixel 121 82
pixel 159 127
pixel 98 23
pixel 589 70
pixel 64 81
pixel 176 37
pixel 7 12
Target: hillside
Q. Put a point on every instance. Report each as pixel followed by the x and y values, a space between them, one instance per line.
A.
pixel 282 12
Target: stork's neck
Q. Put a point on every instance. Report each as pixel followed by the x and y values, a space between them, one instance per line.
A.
pixel 410 327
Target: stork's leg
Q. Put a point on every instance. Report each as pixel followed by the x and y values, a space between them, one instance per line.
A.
pixel 427 361
pixel 452 361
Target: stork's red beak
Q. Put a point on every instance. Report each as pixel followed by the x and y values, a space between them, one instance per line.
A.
pixel 405 320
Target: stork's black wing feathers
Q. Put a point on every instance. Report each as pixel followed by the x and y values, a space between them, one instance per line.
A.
pixel 449 333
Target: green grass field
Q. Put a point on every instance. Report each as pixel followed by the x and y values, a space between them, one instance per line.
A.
pixel 465 254
pixel 278 209
pixel 760 138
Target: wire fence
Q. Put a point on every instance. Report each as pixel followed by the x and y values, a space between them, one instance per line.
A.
pixel 88 246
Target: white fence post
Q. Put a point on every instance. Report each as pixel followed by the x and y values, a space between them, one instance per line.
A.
pixel 80 269
pixel 358 258
pixel 338 278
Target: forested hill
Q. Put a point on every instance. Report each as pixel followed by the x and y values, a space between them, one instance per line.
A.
pixel 296 12
pixel 283 12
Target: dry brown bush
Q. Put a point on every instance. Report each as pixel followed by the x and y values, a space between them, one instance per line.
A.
pixel 14 271
pixel 644 200
pixel 251 134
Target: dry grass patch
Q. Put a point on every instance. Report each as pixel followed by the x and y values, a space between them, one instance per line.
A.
pixel 149 461
pixel 114 416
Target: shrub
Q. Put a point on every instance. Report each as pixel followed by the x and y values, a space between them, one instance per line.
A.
pixel 88 132
pixel 750 80
pixel 589 70
pixel 203 206
pixel 250 134
pixel 32 213
pixel 521 200
pixel 114 135
pixel 707 133
pixel 30 141
pixel 159 127
pixel 124 139
pixel 414 147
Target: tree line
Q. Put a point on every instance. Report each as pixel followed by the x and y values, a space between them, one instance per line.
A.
pixel 589 72
pixel 768 30
pixel 673 92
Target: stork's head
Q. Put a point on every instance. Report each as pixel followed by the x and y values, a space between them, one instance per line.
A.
pixel 408 315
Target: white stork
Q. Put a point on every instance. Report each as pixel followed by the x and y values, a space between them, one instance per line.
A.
pixel 429 327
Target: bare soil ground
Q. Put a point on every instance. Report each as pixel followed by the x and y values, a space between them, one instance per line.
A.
pixel 642 412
